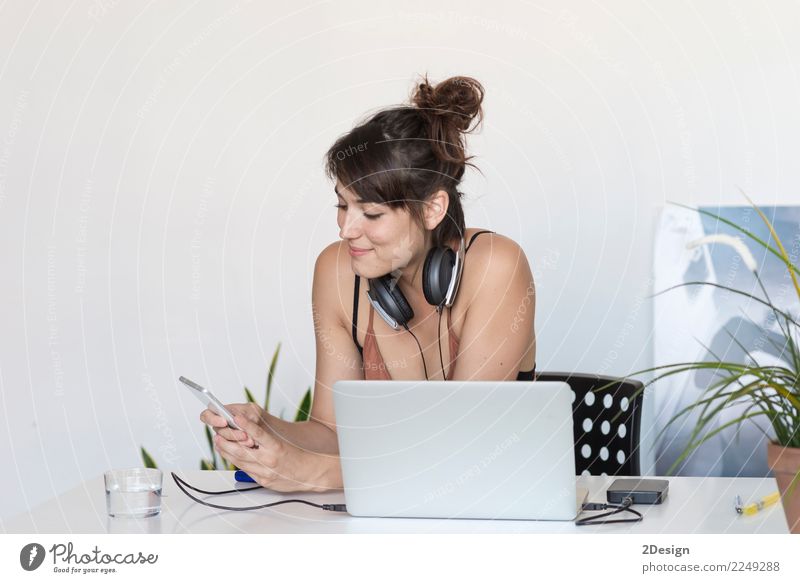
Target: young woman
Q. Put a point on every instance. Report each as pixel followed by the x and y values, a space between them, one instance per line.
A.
pixel 396 183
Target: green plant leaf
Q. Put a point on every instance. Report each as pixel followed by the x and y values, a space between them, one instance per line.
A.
pixel 147 460
pixel 206 465
pixel 735 369
pixel 694 445
pixel 210 441
pixel 793 350
pixel 305 407
pixel 249 396
pixel 774 405
pixel 783 255
pixel 271 375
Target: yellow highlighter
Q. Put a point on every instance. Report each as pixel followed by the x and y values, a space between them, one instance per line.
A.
pixel 755 507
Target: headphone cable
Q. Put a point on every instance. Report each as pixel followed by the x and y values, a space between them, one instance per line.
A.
pixel 424 366
pixel 181 483
pixel 439 340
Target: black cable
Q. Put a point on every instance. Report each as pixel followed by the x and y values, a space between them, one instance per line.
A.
pixel 616 509
pixel 176 478
pixel 439 340
pixel 180 483
pixel 424 366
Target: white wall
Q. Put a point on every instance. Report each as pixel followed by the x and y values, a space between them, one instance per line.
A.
pixel 162 197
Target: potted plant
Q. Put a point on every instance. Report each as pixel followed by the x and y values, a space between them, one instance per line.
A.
pixel 771 391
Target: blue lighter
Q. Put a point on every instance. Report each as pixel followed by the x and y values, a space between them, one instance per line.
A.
pixel 241 476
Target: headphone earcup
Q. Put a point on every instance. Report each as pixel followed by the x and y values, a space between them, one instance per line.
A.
pixel 385 291
pixel 437 273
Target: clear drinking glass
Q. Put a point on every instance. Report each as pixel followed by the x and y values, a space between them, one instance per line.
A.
pixel 133 493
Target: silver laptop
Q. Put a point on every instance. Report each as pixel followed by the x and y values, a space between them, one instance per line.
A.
pixel 458 449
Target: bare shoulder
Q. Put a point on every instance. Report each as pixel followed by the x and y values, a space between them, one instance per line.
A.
pixel 334 281
pixel 495 255
pixel 332 256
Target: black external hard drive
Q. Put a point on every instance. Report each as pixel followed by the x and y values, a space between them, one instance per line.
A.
pixel 641 490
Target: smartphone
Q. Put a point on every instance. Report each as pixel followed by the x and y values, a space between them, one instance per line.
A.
pixel 210 400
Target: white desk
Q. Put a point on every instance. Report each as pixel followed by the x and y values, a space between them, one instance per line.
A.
pixel 693 505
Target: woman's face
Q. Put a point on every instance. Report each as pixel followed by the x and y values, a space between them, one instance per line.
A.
pixel 390 238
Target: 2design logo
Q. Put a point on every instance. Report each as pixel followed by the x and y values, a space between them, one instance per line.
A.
pixel 31 556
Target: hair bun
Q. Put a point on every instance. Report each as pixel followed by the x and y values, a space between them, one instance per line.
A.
pixel 450 107
pixel 457 99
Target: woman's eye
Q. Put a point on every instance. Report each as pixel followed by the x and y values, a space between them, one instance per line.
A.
pixel 370 217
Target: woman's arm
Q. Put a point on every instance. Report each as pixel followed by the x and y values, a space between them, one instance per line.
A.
pixel 498 327
pixel 303 456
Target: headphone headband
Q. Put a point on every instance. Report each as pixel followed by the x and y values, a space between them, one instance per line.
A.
pixel 452 289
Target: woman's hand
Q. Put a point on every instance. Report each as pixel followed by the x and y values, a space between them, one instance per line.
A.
pixel 268 459
pixel 220 426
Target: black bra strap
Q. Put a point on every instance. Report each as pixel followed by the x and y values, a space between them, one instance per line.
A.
pixel 473 238
pixel 355 312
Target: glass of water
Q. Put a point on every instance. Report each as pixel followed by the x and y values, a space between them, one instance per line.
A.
pixel 133 493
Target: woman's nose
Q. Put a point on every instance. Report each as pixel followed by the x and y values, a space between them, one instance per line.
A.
pixel 350 227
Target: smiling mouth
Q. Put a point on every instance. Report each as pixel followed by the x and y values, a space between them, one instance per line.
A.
pixel 359 252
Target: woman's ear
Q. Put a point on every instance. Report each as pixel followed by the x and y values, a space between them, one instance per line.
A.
pixel 436 209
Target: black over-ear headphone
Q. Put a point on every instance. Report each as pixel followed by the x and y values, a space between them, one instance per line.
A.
pixel 441 275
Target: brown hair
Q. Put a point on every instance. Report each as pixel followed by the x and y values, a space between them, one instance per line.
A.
pixel 400 156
